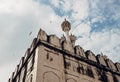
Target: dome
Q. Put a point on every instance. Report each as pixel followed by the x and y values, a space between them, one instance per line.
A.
pixel 66 26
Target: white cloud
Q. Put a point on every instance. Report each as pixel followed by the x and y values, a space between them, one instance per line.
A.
pixel 55 2
pixel 80 9
pixel 67 5
pixel 106 42
pixel 82 30
pixel 20 17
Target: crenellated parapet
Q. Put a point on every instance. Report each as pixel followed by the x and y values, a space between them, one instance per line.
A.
pixel 75 58
pixel 53 39
pixel 34 42
pixel 101 59
pixel 110 64
pixel 77 50
pixel 90 55
pixel 27 53
pixel 21 63
pixel 42 35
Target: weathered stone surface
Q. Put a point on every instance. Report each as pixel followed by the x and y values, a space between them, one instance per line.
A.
pixel 53 39
pixel 22 75
pixel 16 71
pixel 68 47
pixel 101 59
pixel 21 63
pixel 42 35
pixel 27 53
pixel 110 64
pixel 34 42
pixel 79 51
pixel 109 77
pixel 118 66
pixel 73 39
pixel 45 62
pixel 90 55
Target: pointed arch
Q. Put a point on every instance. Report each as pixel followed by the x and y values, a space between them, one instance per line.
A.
pixel 50 77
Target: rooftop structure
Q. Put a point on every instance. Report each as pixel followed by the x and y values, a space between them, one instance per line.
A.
pixel 53 59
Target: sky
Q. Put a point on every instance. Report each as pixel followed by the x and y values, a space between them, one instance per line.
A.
pixel 96 23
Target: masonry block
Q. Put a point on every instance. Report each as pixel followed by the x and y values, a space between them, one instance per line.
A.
pixel 27 53
pixel 68 47
pixel 42 35
pixel 79 51
pixel 34 42
pixel 110 64
pixel 118 66
pixel 101 59
pixel 90 55
pixel 53 39
pixel 21 63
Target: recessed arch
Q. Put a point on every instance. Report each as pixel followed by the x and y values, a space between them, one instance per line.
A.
pixel 50 76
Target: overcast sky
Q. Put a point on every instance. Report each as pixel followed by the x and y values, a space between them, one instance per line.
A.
pixel 96 23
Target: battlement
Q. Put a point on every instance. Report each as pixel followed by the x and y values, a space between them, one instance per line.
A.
pixel 76 53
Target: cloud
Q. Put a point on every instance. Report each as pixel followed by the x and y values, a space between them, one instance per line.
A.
pixel 80 10
pixel 17 19
pixel 94 22
pixel 55 2
pixel 106 41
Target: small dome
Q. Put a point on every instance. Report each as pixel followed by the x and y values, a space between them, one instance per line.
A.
pixel 66 26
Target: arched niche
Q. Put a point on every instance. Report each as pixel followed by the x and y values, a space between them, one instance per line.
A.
pixel 71 80
pixel 50 77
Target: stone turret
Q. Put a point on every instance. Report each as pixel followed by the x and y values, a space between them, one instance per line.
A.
pixel 66 26
pixel 73 39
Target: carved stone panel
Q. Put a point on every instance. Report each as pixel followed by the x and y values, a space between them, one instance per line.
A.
pixel 50 77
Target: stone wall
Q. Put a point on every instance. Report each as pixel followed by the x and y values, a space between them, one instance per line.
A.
pixel 65 62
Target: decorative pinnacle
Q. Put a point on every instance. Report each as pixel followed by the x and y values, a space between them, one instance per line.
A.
pixel 72 38
pixel 66 26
